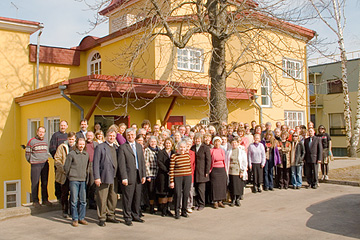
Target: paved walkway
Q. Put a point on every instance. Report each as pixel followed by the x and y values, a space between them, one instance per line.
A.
pixel 344 162
pixel 330 212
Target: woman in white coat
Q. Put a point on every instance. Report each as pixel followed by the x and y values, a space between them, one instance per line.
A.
pixel 236 163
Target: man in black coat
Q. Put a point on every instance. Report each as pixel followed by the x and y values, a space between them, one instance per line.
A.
pixel 313 155
pixel 202 169
pixel 56 139
pixel 105 167
pixel 83 129
pixel 132 172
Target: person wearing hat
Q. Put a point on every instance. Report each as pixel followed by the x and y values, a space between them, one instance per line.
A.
pixel 326 143
pixel 218 174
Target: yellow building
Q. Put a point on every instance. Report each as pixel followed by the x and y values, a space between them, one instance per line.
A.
pixel 327 99
pixel 97 80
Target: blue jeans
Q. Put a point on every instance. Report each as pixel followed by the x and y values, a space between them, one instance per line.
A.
pixel 78 193
pixel 296 178
pixel 269 174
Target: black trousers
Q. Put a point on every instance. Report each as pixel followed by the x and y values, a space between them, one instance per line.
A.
pixel 284 177
pixel 200 194
pixel 65 189
pixel 57 188
pixel 182 191
pixel 131 199
pixel 39 171
pixel 312 173
pixel 258 174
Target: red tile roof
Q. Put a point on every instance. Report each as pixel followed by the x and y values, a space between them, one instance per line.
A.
pixel 116 86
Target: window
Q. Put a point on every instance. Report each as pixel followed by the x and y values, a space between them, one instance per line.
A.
pixel 190 59
pixel 12 194
pixel 337 124
pixel 265 90
pixel 52 125
pixel 334 86
pixel 293 118
pixel 33 125
pixel 292 68
pixel 95 64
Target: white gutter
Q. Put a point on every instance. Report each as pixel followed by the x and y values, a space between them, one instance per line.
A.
pixel 41 27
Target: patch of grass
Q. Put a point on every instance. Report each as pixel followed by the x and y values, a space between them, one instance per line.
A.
pixel 346 174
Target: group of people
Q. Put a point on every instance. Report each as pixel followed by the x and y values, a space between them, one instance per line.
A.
pixel 188 167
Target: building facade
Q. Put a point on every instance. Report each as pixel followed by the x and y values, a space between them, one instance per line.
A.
pixel 327 99
pixel 112 80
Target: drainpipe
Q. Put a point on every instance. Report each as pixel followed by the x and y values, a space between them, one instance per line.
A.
pixel 258 106
pixel 62 88
pixel 41 26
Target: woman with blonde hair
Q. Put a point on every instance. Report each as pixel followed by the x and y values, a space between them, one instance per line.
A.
pixel 272 159
pixel 164 193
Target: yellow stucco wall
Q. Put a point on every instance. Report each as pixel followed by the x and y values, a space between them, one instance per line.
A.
pixel 18 75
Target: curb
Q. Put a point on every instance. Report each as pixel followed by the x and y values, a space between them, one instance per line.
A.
pixel 26 210
pixel 340 182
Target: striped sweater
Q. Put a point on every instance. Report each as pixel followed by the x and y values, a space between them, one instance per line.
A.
pixel 37 151
pixel 180 165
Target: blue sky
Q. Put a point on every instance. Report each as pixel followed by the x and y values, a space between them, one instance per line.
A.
pixel 64 20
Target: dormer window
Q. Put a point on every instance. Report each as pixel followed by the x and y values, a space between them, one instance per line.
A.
pixel 94 66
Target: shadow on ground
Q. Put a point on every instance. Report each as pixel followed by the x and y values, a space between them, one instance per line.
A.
pixel 91 215
pixel 340 215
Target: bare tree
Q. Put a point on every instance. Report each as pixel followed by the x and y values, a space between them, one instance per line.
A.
pixel 332 13
pixel 243 37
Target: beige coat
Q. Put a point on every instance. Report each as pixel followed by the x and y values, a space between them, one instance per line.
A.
pixel 59 161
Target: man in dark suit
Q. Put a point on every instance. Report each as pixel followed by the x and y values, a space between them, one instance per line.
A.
pixel 132 172
pixel 83 129
pixel 313 155
pixel 105 167
pixel 202 169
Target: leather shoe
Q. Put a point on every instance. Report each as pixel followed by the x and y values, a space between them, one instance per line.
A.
pixel 102 223
pixel 75 223
pixel 36 204
pixel 112 220
pixel 216 205
pixel 237 203
pixel 83 222
pixel 138 220
pixel 184 214
pixel 221 204
pixel 47 203
pixel 177 216
pixel 128 223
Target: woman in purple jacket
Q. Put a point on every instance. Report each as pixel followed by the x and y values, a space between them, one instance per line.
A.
pixel 272 159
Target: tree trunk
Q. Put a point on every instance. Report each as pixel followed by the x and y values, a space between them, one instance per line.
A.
pixel 344 79
pixel 217 72
pixel 355 136
pixel 218 101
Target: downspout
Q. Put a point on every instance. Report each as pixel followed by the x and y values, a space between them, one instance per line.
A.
pixel 62 88
pixel 258 106
pixel 41 26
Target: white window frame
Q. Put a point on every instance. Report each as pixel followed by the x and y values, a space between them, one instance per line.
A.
pixel 186 58
pixel 92 63
pixel 30 134
pixel 292 123
pixel 292 68
pixel 49 126
pixel 266 88
pixel 17 192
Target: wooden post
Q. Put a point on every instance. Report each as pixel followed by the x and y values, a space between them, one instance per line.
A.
pixel 93 106
pixel 166 118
